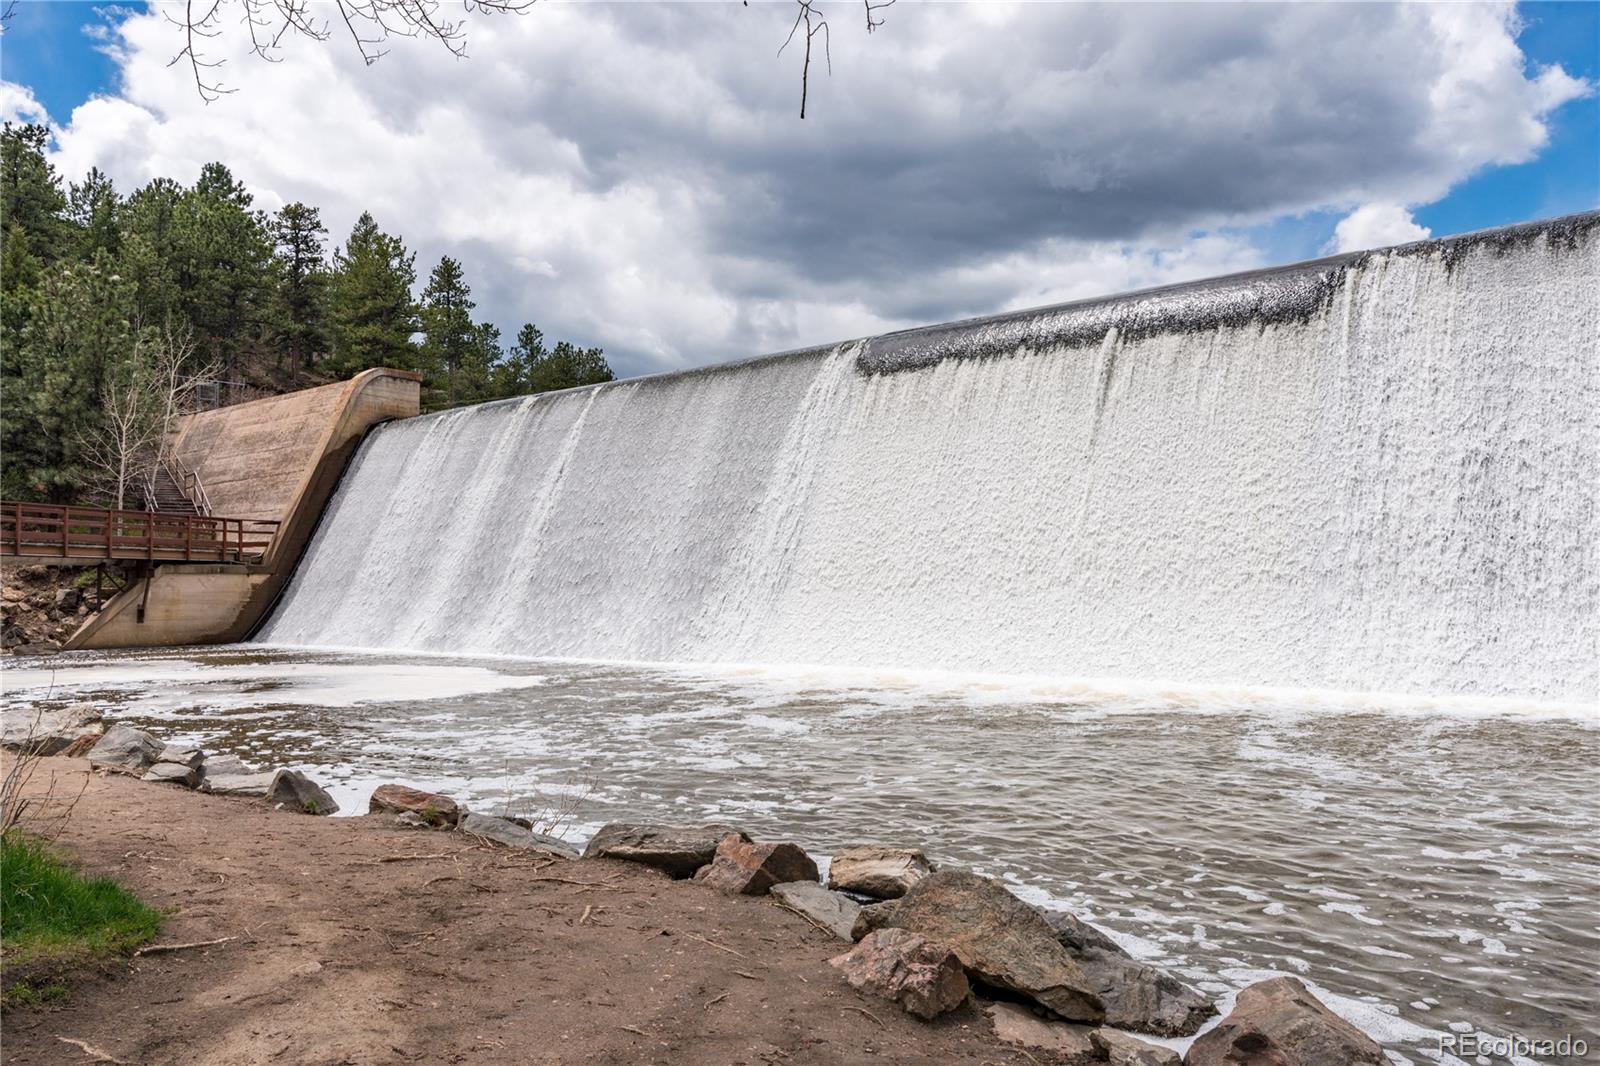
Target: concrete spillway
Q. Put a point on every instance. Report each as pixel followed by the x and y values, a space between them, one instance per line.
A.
pixel 1373 472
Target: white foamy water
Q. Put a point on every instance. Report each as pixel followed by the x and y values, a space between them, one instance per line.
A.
pixel 1394 492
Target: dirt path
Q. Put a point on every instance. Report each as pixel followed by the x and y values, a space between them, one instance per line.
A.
pixel 469 955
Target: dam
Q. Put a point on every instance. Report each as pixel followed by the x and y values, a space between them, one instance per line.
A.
pixel 1374 472
pixel 1253 620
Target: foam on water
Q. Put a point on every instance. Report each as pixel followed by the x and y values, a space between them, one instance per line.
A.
pixel 1372 474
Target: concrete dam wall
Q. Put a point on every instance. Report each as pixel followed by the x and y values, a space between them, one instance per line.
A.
pixel 1373 472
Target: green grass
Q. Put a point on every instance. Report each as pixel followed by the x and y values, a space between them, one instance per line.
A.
pixel 52 917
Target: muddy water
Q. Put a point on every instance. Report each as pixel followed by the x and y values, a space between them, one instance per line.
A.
pixel 1429 868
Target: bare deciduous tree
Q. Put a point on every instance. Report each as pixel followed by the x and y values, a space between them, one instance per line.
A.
pixel 141 402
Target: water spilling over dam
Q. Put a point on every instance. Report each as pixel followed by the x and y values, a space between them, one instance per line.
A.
pixel 1375 472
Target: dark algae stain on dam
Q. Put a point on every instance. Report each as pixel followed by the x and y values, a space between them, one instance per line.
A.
pixel 1274 296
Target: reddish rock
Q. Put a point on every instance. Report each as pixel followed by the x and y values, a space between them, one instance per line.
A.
pixel 429 806
pixel 920 974
pixel 742 868
pixel 1280 1023
pixel 1001 940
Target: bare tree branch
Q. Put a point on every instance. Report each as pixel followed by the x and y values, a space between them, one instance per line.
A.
pixel 370 23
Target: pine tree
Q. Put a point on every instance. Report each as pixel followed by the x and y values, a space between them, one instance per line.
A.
pixel 31 200
pixel 448 331
pixel 567 366
pixel 78 325
pixel 302 281
pixel 511 373
pixel 223 265
pixel 372 315
pixel 92 208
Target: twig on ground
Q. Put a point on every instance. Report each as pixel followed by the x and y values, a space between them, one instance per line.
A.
pixel 162 949
pixel 713 1002
pixel 635 1029
pixel 586 912
pixel 570 881
pixel 747 976
pixel 441 877
pixel 409 858
pixel 93 1052
pixel 868 1013
pixel 713 943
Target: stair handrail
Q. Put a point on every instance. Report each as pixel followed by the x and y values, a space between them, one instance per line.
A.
pixel 189 483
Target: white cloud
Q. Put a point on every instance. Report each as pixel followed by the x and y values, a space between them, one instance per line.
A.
pixel 1375 226
pixel 635 175
pixel 18 105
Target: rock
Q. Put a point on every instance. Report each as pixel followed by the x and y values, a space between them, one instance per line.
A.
pixel 411 820
pixel 1280 1023
pixel 429 806
pixel 1136 995
pixel 920 974
pixel 67 599
pixel 680 850
pixel 1067 1045
pixel 173 773
pixel 1120 1049
pixel 872 917
pixel 51 732
pixel 883 873
pixel 223 766
pixel 184 755
pixel 179 764
pixel 126 750
pixel 1001 940
pixel 13 636
pixel 42 647
pixel 509 832
pixel 741 868
pixel 293 790
pixel 1077 935
pixel 80 747
pixel 251 785
pixel 833 911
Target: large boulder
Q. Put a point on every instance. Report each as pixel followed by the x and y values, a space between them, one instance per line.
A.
pixel 1059 1043
pixel 1120 1049
pixel 1280 1023
pixel 833 911
pixel 252 785
pixel 1137 996
pixel 882 873
pixel 431 807
pixel 741 868
pixel 45 732
pixel 126 750
pixel 218 765
pixel 680 850
pixel 294 791
pixel 509 832
pixel 1001 940
pixel 920 974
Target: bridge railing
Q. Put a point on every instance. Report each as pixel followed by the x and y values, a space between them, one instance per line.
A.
pixel 53 531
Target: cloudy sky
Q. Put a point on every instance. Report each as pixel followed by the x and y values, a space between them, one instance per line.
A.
pixel 636 176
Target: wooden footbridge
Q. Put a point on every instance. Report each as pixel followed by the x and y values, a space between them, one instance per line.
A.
pixel 89 536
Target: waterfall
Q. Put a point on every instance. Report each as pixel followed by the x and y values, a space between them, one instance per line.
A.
pixel 1372 472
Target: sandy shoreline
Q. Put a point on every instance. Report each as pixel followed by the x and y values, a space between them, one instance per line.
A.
pixel 359 942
